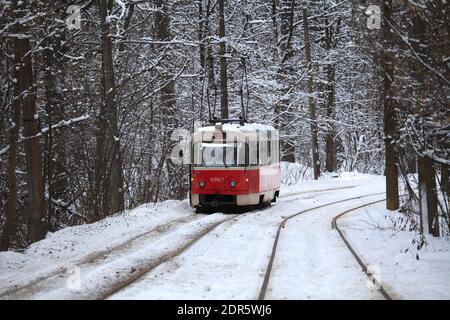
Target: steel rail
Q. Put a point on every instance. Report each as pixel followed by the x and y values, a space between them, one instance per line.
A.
pixel 364 267
pixel 62 269
pixel 93 256
pixel 266 279
pixel 120 286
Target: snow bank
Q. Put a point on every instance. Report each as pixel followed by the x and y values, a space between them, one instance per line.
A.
pixel 79 242
pixel 297 178
pixel 407 269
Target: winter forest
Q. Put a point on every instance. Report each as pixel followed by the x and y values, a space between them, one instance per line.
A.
pixel 90 98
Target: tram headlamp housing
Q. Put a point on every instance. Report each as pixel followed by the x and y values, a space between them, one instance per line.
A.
pixel 201 184
pixel 232 183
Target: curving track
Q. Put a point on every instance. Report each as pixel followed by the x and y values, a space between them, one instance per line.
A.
pixel 364 267
pixel 267 276
pixel 119 286
pixel 110 271
pixel 53 281
pixel 14 290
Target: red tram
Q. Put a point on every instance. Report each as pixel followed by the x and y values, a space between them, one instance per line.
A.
pixel 234 164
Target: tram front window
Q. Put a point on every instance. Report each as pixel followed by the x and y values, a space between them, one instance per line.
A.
pixel 221 155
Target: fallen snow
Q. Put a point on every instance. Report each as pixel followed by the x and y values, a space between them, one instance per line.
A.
pixel 64 248
pixel 230 261
pixel 312 262
pixel 97 280
pixel 405 271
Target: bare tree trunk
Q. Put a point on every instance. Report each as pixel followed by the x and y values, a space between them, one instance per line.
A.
pixel 390 121
pixel 445 181
pixel 201 35
pixel 311 100
pixel 100 197
pixel 427 197
pixel 274 23
pixel 100 193
pixel 205 50
pixel 223 63
pixel 284 74
pixel 55 142
pixel 60 184
pixel 330 149
pixel 35 182
pixel 11 213
pixel 167 98
pixel 114 160
pixel 50 103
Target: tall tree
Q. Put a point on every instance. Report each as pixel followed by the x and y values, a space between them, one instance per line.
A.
pixel 427 197
pixel 206 55
pixel 11 207
pixel 330 148
pixel 284 74
pixel 311 100
pixel 223 62
pixel 390 117
pixel 112 147
pixel 35 182
pixel 167 97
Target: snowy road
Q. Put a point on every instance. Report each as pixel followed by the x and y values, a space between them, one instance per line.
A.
pixel 166 252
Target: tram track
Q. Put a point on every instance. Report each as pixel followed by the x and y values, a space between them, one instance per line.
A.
pixel 267 275
pixel 358 258
pixel 334 225
pixel 93 256
pixel 35 285
pixel 98 285
pixel 119 286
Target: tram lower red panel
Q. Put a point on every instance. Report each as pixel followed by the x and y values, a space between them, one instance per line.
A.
pixel 250 180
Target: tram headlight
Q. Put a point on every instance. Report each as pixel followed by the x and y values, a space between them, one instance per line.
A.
pixel 201 184
pixel 232 183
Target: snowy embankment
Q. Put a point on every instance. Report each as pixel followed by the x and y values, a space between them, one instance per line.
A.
pixel 385 244
pixel 65 248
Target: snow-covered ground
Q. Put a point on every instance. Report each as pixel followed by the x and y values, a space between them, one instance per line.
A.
pixel 312 262
pixel 134 255
pixel 393 256
pixel 62 249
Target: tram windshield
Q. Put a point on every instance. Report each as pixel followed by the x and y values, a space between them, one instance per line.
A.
pixel 220 154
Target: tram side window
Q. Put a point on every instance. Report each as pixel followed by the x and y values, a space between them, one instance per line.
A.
pixel 269 147
pixel 263 159
pixel 242 153
pixel 253 158
pixel 275 152
pixel 197 154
